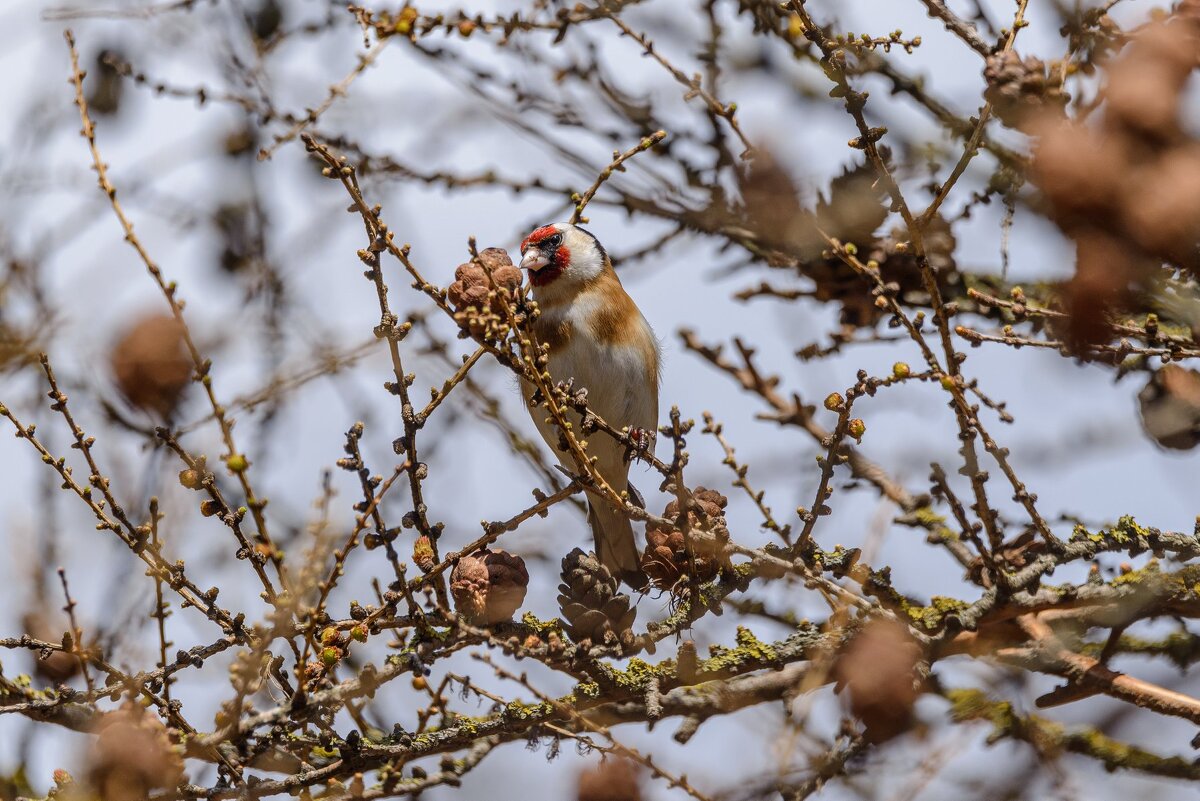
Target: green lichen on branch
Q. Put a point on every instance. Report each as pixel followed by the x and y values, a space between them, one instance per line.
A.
pixel 1182 648
pixel 750 654
pixel 1179 585
pixel 932 617
pixel 1050 738
pixel 749 651
pixel 637 676
pixel 541 627
pixel 926 518
pixel 517 710
pixel 1127 533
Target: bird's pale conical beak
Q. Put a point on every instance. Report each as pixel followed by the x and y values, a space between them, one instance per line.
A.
pixel 534 260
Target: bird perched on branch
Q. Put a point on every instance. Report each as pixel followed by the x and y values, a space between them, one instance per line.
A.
pixel 597 336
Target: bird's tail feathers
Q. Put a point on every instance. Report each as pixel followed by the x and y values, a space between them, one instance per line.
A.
pixel 615 547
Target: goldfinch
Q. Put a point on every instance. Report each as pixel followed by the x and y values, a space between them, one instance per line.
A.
pixel 597 336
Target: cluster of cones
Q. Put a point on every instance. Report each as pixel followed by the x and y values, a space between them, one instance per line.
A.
pixel 853 211
pixel 482 291
pixel 489 586
pixel 1124 185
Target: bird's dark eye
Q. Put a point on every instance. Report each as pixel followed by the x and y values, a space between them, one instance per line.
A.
pixel 554 241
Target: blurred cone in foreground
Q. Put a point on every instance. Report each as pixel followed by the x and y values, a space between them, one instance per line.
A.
pixel 1126 188
pixel 610 780
pixel 878 671
pixel 773 210
pixel 151 366
pixel 1170 407
pixel 132 756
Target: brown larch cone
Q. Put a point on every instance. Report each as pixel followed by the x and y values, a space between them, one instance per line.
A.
pixel 610 780
pixel 853 210
pixel 879 670
pixel 132 756
pixel 489 586
pixel 665 559
pixel 772 208
pixel 151 365
pixel 592 608
pixel 474 296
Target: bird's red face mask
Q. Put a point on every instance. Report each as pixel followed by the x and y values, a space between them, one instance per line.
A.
pixel 544 255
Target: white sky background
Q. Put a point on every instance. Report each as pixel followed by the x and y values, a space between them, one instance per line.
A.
pixel 166 162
